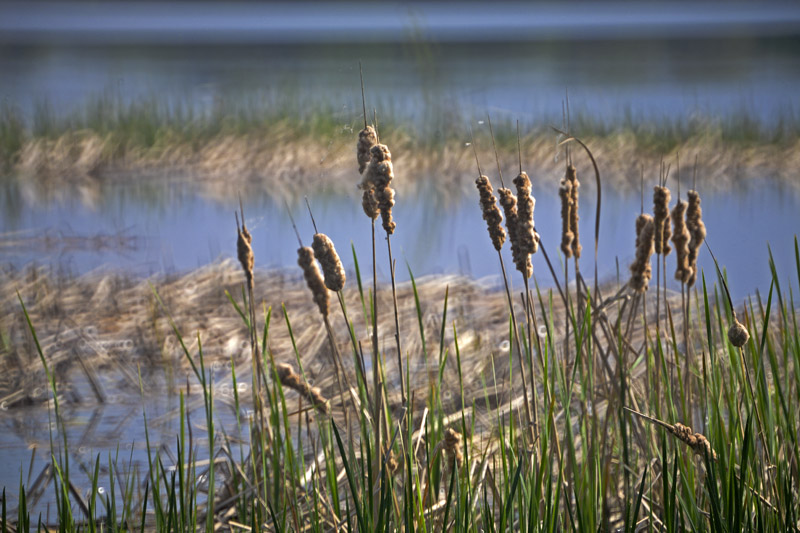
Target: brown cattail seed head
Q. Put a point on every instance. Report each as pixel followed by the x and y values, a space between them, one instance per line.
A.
pixel 680 239
pixel 572 177
pixel 641 271
pixel 661 198
pixel 565 194
pixel 290 379
pixel 697 231
pixel 305 258
pixel 696 441
pixel 378 176
pixel 528 240
pixel 245 253
pixel 491 214
pixel 370 204
pixel 738 334
pixel 366 140
pixel 331 264
pixel 509 203
pixel 452 447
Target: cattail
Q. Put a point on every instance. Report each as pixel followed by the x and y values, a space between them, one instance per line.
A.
pixel 366 140
pixel 491 214
pixel 526 236
pixel 641 271
pixel 305 258
pixel 738 334
pixel 289 379
pixel 696 441
pixel 661 198
pixel 697 230
pixel 452 447
pixel 572 177
pixel 370 204
pixel 245 252
pixel 378 176
pixel 565 194
pixel 509 203
pixel 680 239
pixel 331 264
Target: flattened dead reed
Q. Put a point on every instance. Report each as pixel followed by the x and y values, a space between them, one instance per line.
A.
pixel 332 267
pixel 313 277
pixel 641 271
pixel 697 231
pixel 290 379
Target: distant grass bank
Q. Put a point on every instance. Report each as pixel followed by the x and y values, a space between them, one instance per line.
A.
pixel 288 147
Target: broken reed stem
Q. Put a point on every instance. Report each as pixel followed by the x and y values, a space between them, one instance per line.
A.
pixel 290 379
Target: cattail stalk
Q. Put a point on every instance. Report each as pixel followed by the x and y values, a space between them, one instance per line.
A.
pixel 572 177
pixel 491 214
pixel 313 277
pixel 565 194
pixel 696 441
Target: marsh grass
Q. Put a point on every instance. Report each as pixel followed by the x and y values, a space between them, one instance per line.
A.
pixel 453 450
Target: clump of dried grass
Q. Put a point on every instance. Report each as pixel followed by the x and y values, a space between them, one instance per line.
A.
pixel 290 379
pixel 641 272
pixel 313 277
pixel 697 231
pixel 329 260
pixel 680 239
pixel 491 214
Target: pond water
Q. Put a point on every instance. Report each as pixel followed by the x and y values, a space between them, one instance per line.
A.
pixel 620 61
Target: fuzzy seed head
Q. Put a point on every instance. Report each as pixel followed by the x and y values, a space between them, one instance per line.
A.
pixel 244 252
pixel 680 238
pixel 661 198
pixel 366 140
pixel 572 177
pixel 697 232
pixel 641 271
pixel 738 334
pixel 370 204
pixel 329 260
pixel 565 194
pixel 305 258
pixel 290 379
pixel 378 176
pixel 452 447
pixel 696 441
pixel 491 214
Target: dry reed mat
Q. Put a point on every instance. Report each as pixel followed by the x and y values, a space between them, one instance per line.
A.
pixel 641 271
pixel 697 232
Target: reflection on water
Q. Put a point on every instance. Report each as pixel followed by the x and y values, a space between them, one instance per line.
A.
pixel 182 231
